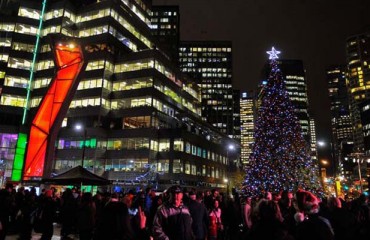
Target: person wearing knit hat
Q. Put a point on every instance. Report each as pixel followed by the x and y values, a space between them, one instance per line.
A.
pixel 310 224
pixel 307 202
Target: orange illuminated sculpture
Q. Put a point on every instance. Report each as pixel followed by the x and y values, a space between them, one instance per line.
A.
pixel 69 63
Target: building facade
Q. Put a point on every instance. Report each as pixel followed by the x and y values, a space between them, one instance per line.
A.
pixel 166 27
pixel 294 77
pixel 341 124
pixel 247 118
pixel 139 117
pixel 210 65
pixel 358 81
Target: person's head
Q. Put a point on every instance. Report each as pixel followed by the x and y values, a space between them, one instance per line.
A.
pixel 215 204
pixel 267 196
pixel 276 197
pixel 334 203
pixel 86 198
pixel 176 195
pixel 192 195
pixel 9 187
pixel 248 200
pixel 268 210
pixel 307 202
pixel 215 193
pixel 286 198
pixel 49 193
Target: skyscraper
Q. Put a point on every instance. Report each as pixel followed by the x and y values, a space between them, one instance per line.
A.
pixel 357 49
pixel 210 64
pixel 247 117
pixel 339 110
pixel 313 139
pixel 166 27
pixel 295 83
pixel 138 116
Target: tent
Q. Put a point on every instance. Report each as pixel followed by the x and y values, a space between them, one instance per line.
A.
pixel 77 176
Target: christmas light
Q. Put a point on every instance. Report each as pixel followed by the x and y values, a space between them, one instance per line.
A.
pixel 273 54
pixel 280 158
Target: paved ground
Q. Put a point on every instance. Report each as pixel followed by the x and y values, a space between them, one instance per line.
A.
pixel 37 236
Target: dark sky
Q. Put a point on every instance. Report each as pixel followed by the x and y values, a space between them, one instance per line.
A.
pixel 314 31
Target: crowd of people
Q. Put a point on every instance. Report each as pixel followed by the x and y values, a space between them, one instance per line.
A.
pixel 182 214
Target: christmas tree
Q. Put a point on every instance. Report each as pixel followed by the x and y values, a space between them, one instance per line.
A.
pixel 280 158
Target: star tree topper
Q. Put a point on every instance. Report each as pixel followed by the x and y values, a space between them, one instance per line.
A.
pixel 273 54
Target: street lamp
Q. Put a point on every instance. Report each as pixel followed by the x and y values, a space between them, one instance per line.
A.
pixel 332 153
pixel 230 147
pixel 79 127
pixel 358 160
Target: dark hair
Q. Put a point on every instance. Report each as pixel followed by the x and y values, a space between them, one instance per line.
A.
pixel 269 210
pixel 175 189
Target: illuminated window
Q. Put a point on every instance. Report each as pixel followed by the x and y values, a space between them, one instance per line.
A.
pixel 164 145
pixel 163 166
pixel 19 63
pixel 13 81
pixel 13 100
pixel 28 12
pixel 177 166
pixel 25 29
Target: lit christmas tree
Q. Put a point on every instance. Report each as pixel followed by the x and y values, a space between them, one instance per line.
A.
pixel 280 158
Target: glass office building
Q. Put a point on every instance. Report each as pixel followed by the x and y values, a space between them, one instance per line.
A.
pixel 139 117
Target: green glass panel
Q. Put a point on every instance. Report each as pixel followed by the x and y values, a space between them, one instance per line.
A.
pixel 93 143
pixel 19 157
pixel 87 143
pixel 16 175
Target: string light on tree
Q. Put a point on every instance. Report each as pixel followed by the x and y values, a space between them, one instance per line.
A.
pixel 280 158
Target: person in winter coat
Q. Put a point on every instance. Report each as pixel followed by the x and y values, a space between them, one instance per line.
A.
pixel 173 220
pixel 310 224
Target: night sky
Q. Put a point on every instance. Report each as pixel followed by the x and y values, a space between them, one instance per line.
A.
pixel 314 31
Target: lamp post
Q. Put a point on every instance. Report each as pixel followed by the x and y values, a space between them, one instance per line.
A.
pixel 79 127
pixel 230 147
pixel 358 160
pixel 332 154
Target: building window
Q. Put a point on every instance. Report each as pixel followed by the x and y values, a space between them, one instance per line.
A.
pixel 164 145
pixel 187 168
pixel 177 166
pixel 193 169
pixel 178 145
pixel 163 166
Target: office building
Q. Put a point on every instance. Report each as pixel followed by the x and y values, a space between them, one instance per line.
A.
pixel 313 139
pixel 358 82
pixel 247 118
pixel 339 111
pixel 293 74
pixel 134 118
pixel 339 105
pixel 210 64
pixel 166 28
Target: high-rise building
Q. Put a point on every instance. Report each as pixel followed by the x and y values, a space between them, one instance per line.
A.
pixel 358 81
pixel 339 111
pixel 138 116
pixel 210 64
pixel 247 117
pixel 294 77
pixel 313 139
pixel 365 121
pixel 166 27
pixel 236 115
